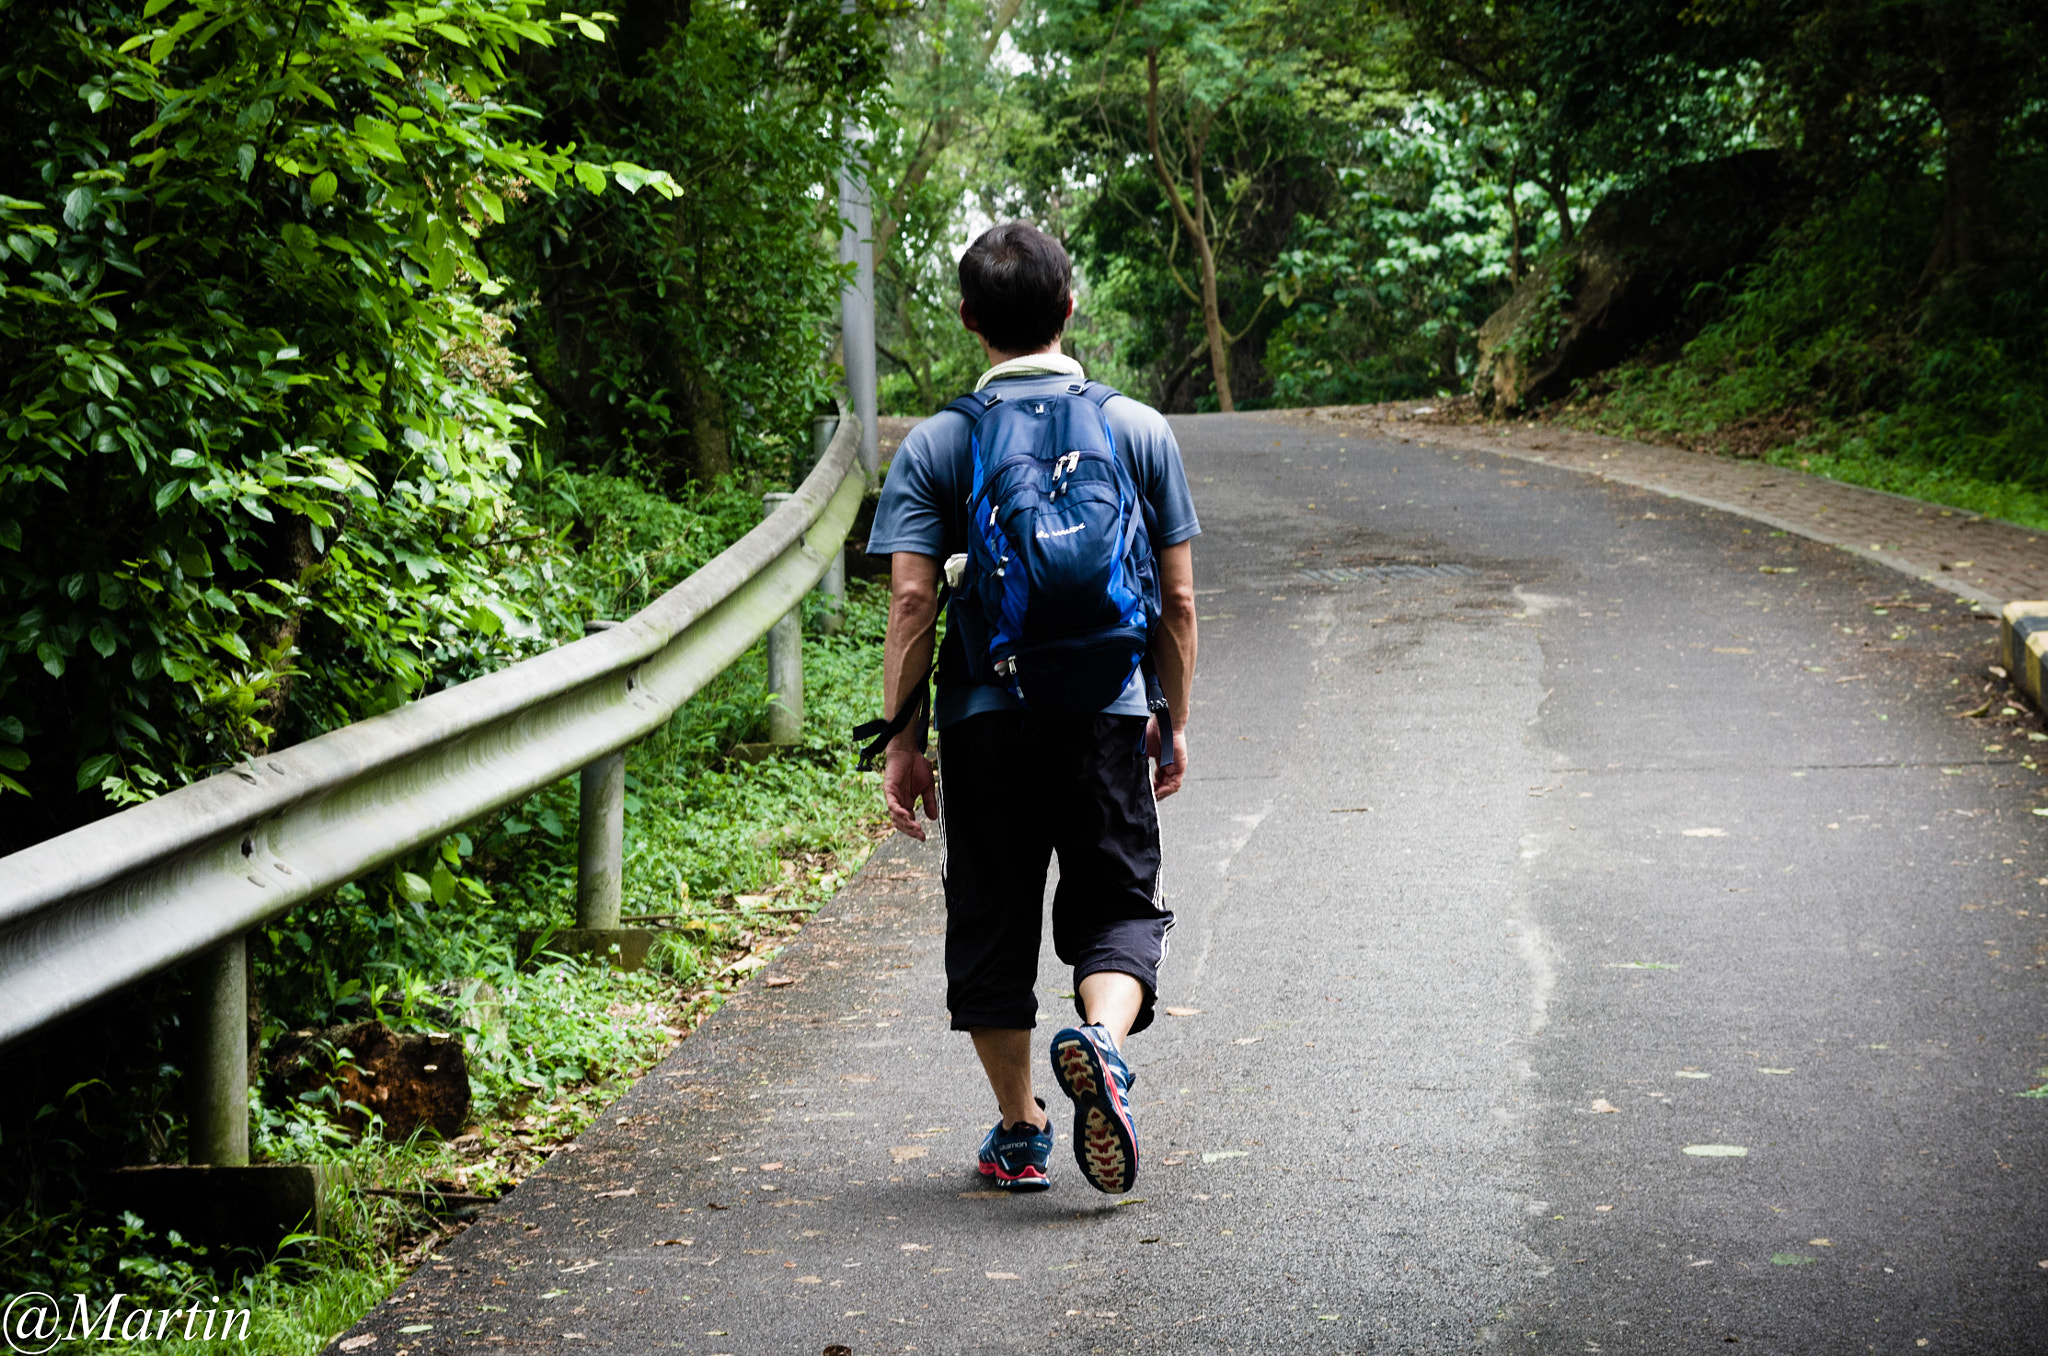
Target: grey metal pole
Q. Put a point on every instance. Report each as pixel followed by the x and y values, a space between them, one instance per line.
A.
pixel 822 428
pixel 600 832
pixel 219 1134
pixel 857 302
pixel 785 661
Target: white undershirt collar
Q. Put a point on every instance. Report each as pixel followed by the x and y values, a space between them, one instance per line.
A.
pixel 1032 365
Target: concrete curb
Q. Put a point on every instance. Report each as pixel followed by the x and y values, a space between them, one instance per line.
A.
pixel 2023 640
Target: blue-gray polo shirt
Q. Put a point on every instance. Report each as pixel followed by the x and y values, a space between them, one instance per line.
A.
pixel 924 509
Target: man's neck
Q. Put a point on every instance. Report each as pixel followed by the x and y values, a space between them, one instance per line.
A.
pixel 996 356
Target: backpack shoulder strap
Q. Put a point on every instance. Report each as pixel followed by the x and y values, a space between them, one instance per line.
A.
pixel 1094 392
pixel 975 404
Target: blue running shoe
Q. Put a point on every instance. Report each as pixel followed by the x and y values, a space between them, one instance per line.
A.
pixel 1016 1156
pixel 1095 1077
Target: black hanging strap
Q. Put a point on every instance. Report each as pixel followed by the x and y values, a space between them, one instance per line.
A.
pixel 915 706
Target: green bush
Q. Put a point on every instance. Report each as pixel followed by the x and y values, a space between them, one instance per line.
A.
pixel 1835 355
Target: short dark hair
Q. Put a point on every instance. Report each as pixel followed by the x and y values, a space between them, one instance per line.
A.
pixel 1017 281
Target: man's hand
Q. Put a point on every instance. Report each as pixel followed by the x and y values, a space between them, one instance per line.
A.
pixel 907 780
pixel 1166 780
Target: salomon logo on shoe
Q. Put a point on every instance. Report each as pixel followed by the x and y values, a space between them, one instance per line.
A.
pixel 1014 1158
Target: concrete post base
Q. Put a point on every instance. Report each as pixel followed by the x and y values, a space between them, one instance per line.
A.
pixel 255 1206
pixel 632 943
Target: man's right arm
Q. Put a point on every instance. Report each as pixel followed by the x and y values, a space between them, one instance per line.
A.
pixel 906 661
pixel 1173 657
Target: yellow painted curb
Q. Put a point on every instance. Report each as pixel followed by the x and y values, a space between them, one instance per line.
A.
pixel 2023 637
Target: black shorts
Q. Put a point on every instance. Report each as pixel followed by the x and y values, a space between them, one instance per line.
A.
pixel 1014 788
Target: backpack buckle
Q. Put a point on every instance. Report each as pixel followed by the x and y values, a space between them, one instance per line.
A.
pixel 1006 667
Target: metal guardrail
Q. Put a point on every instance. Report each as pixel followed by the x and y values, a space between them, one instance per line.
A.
pixel 96 909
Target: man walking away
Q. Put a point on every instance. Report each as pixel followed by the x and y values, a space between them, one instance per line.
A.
pixel 1058 513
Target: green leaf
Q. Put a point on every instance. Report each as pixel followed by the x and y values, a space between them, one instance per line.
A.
pixel 590 176
pixel 13 759
pixel 324 185
pixel 441 271
pixel 11 729
pixel 414 887
pixel 443 883
pixel 95 769
pixel 167 493
pixel 104 640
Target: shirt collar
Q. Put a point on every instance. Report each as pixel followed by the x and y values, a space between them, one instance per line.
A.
pixel 1032 365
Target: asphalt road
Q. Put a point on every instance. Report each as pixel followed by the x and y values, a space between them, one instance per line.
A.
pixel 1541 834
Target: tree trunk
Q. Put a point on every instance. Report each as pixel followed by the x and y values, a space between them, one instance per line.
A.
pixel 1969 96
pixel 1560 198
pixel 710 452
pixel 1195 223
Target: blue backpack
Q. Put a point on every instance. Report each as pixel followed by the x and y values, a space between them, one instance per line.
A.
pixel 1060 592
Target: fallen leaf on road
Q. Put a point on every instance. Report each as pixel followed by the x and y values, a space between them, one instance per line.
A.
pixel 1790 1259
pixel 1603 1107
pixel 1706 833
pixel 1603 1209
pixel 369 1339
pixel 1716 1151
pixel 983 1195
pixel 1002 1275
pixel 903 1153
pixel 1730 649
pixel 810 1280
pixel 1761 1069
pixel 1351 810
pixel 675 1242
pixel 1976 711
pixel 1820 1243
pixel 1221 1154
pixel 1183 1012
pixel 771 1167
pixel 714 1205
pixel 614 1195
pixel 1777 569
pixel 1248 1040
pixel 781 981
pixel 1639 965
pixel 913 1247
pixel 1691 1073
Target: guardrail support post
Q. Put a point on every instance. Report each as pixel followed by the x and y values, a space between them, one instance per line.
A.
pixel 600 841
pixel 600 864
pixel 785 661
pixel 216 1195
pixel 832 587
pixel 219 1132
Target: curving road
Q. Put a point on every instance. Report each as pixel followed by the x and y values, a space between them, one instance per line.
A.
pixel 1604 933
